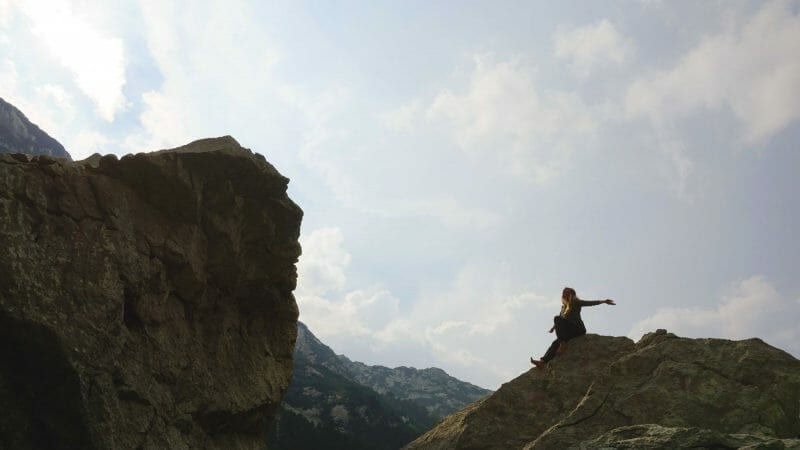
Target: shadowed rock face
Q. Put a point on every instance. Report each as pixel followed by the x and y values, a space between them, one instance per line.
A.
pixel 19 135
pixel 145 302
pixel 600 385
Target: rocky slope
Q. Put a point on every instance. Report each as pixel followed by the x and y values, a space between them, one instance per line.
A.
pixel 329 404
pixel 145 302
pixel 662 392
pixel 19 135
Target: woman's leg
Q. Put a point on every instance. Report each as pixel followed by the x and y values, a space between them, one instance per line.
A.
pixel 551 352
pixel 564 331
pixel 564 328
pixel 567 330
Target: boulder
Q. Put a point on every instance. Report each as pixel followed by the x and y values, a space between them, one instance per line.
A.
pixel 145 302
pixel 601 384
pixel 525 407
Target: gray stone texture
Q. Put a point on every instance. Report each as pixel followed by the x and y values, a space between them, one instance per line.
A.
pixel 145 302
pixel 602 384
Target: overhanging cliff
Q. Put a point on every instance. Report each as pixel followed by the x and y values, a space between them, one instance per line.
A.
pixel 145 302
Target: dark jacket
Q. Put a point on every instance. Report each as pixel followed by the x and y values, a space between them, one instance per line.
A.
pixel 574 313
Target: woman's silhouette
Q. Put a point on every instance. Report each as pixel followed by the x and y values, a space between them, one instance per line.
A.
pixel 568 324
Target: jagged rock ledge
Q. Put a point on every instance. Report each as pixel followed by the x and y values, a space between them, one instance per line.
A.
pixel 145 302
pixel 661 392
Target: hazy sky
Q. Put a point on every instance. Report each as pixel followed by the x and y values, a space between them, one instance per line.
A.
pixel 460 162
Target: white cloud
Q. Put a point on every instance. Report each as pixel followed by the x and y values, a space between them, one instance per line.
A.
pixel 505 117
pixel 166 119
pixel 199 97
pixel 212 81
pixel 480 300
pixel 5 12
pixel 592 46
pixel 751 308
pixel 327 150
pixel 48 106
pixel 375 308
pixel 482 323
pixel 8 77
pixel 323 263
pixel 358 313
pixel 323 139
pixel 445 209
pixel 96 61
pixel 57 95
pixel 402 118
pixel 681 166
pixel 458 327
pixel 87 143
pixel 324 303
pixel 650 3
pixel 750 69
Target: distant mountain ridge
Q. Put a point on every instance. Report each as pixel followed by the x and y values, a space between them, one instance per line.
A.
pixel 19 135
pixel 432 388
pixel 335 403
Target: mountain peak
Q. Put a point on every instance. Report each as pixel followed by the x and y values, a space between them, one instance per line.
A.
pixel 20 135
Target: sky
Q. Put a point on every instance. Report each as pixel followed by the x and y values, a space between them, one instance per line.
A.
pixel 459 163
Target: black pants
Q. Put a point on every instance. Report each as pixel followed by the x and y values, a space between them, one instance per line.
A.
pixel 565 330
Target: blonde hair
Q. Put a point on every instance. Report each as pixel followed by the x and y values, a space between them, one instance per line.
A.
pixel 568 296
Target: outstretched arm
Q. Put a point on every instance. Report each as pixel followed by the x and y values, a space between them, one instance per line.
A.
pixel 607 301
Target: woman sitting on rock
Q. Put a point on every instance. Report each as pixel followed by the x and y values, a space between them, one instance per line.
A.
pixel 568 324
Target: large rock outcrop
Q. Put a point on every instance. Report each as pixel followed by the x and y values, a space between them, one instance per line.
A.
pixel 145 302
pixel 607 392
pixel 19 135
